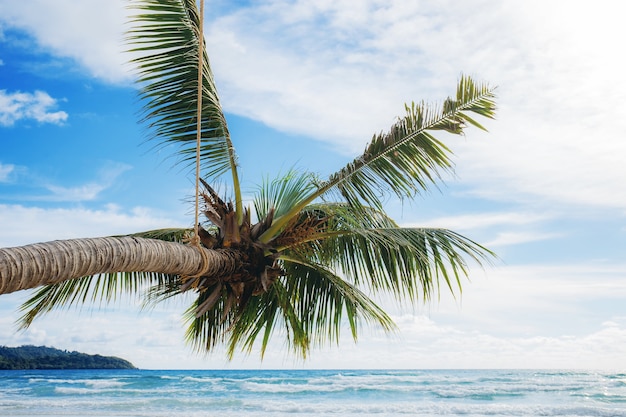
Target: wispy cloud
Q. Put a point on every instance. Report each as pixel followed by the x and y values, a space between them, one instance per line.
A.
pixel 38 106
pixel 5 171
pixel 510 228
pixel 516 238
pixel 21 224
pixel 536 298
pixel 84 192
pixel 107 176
pixel 89 32
pixel 485 220
pixel 31 183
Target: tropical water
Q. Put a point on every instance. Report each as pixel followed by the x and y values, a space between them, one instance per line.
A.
pixel 312 393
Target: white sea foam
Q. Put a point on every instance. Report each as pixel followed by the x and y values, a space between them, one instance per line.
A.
pixel 96 383
pixel 201 379
pixel 313 393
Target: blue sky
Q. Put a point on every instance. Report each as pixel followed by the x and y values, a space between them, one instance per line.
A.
pixel 307 84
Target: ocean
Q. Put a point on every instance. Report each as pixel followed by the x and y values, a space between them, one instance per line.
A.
pixel 467 393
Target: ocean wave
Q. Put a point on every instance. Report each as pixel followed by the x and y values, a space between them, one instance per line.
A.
pixel 313 393
pixel 203 380
pixel 96 383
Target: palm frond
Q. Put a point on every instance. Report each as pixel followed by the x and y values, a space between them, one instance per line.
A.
pixel 209 329
pixel 282 193
pixel 408 262
pixel 173 234
pixel 323 300
pixel 407 159
pixel 373 251
pixel 88 290
pixel 310 303
pixel 221 324
pixel 165 35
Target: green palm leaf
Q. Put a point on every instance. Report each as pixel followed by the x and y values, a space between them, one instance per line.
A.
pixel 87 290
pixel 207 330
pixel 373 251
pixel 409 157
pixel 165 35
pixel 173 234
pixel 310 302
pixel 322 298
pixel 405 160
pixel 221 324
pixel 282 193
pixel 408 262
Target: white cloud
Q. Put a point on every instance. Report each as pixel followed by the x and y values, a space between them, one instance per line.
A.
pixel 21 225
pixel 529 300
pixel 515 238
pixel 154 339
pixel 90 191
pixel 89 32
pixel 351 68
pixel 510 228
pixel 427 344
pixel 79 193
pixel 483 220
pixel 339 73
pixel 37 106
pixel 5 171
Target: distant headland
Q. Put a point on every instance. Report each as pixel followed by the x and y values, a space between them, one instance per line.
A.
pixel 42 357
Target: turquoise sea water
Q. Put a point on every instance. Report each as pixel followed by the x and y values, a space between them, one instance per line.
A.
pixel 312 393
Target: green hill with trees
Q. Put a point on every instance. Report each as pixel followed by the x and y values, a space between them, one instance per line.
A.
pixel 42 357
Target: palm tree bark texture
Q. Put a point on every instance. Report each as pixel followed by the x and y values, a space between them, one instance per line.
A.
pixel 48 263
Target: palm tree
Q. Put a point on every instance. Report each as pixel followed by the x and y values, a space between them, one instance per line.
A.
pixel 318 249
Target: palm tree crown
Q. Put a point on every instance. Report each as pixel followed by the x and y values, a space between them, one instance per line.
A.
pixel 310 252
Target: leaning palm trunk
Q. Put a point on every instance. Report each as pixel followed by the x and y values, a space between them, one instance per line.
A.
pixel 40 264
